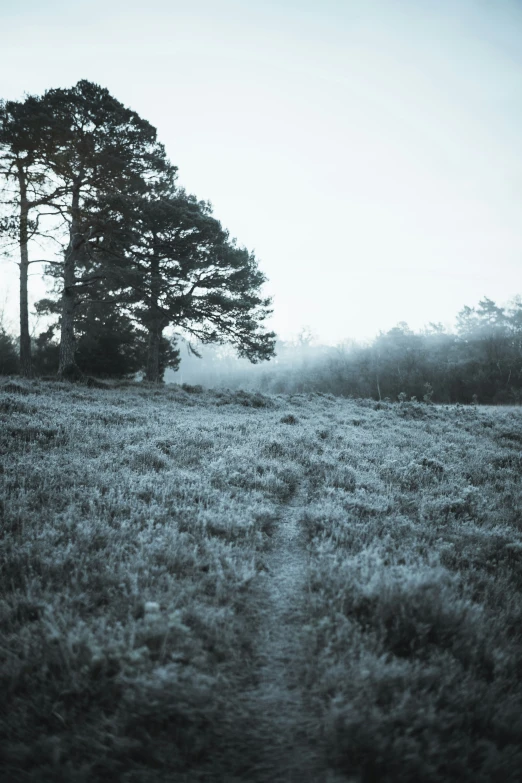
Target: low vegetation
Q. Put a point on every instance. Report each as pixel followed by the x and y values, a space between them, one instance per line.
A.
pixel 138 531
pixel 478 362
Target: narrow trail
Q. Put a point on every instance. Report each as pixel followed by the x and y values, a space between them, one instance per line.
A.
pixel 289 755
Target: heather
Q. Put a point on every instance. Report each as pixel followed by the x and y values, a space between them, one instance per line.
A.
pixel 226 585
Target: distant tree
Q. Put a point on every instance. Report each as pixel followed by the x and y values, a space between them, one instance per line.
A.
pixel 514 318
pixel 467 322
pixel 398 362
pixel 484 334
pixel 514 326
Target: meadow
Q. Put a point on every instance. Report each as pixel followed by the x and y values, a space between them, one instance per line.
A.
pixel 213 585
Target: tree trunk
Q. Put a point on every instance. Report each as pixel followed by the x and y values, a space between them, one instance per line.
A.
pixel 67 366
pixel 155 324
pixel 68 369
pixel 26 369
pixel 153 356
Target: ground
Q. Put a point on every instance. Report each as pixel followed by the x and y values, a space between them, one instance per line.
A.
pixel 226 586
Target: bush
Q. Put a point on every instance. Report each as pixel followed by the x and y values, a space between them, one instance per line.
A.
pixel 197 389
pixel 8 354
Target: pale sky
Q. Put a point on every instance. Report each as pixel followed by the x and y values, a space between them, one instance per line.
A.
pixel 368 151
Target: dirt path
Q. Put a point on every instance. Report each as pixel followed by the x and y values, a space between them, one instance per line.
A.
pixel 290 754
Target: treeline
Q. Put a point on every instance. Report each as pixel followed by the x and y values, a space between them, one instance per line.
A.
pixel 128 252
pixel 480 362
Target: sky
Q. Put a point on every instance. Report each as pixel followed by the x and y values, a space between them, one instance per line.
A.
pixel 367 151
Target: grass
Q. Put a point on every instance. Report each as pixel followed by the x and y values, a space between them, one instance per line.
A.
pixel 137 537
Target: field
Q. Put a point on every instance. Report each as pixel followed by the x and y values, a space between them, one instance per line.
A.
pixel 225 586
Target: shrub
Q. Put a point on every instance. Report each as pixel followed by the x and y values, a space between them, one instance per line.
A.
pixel 197 389
pixel 8 354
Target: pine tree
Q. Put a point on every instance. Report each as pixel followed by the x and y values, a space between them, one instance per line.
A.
pixel 181 268
pixel 99 150
pixel 26 190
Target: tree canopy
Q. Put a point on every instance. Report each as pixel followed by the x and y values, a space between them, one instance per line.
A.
pixel 133 246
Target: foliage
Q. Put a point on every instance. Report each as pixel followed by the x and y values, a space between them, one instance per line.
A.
pixel 127 235
pixel 178 266
pixel 108 343
pixel 8 354
pixel 481 362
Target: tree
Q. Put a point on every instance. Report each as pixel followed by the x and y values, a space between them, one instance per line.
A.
pixel 181 268
pixel 485 339
pixel 99 149
pixel 515 325
pixel 109 344
pixel 398 362
pixel 128 237
pixel 24 136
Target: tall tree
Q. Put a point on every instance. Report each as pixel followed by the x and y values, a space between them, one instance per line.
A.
pixel 162 256
pixel 181 268
pixel 24 137
pixel 99 149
